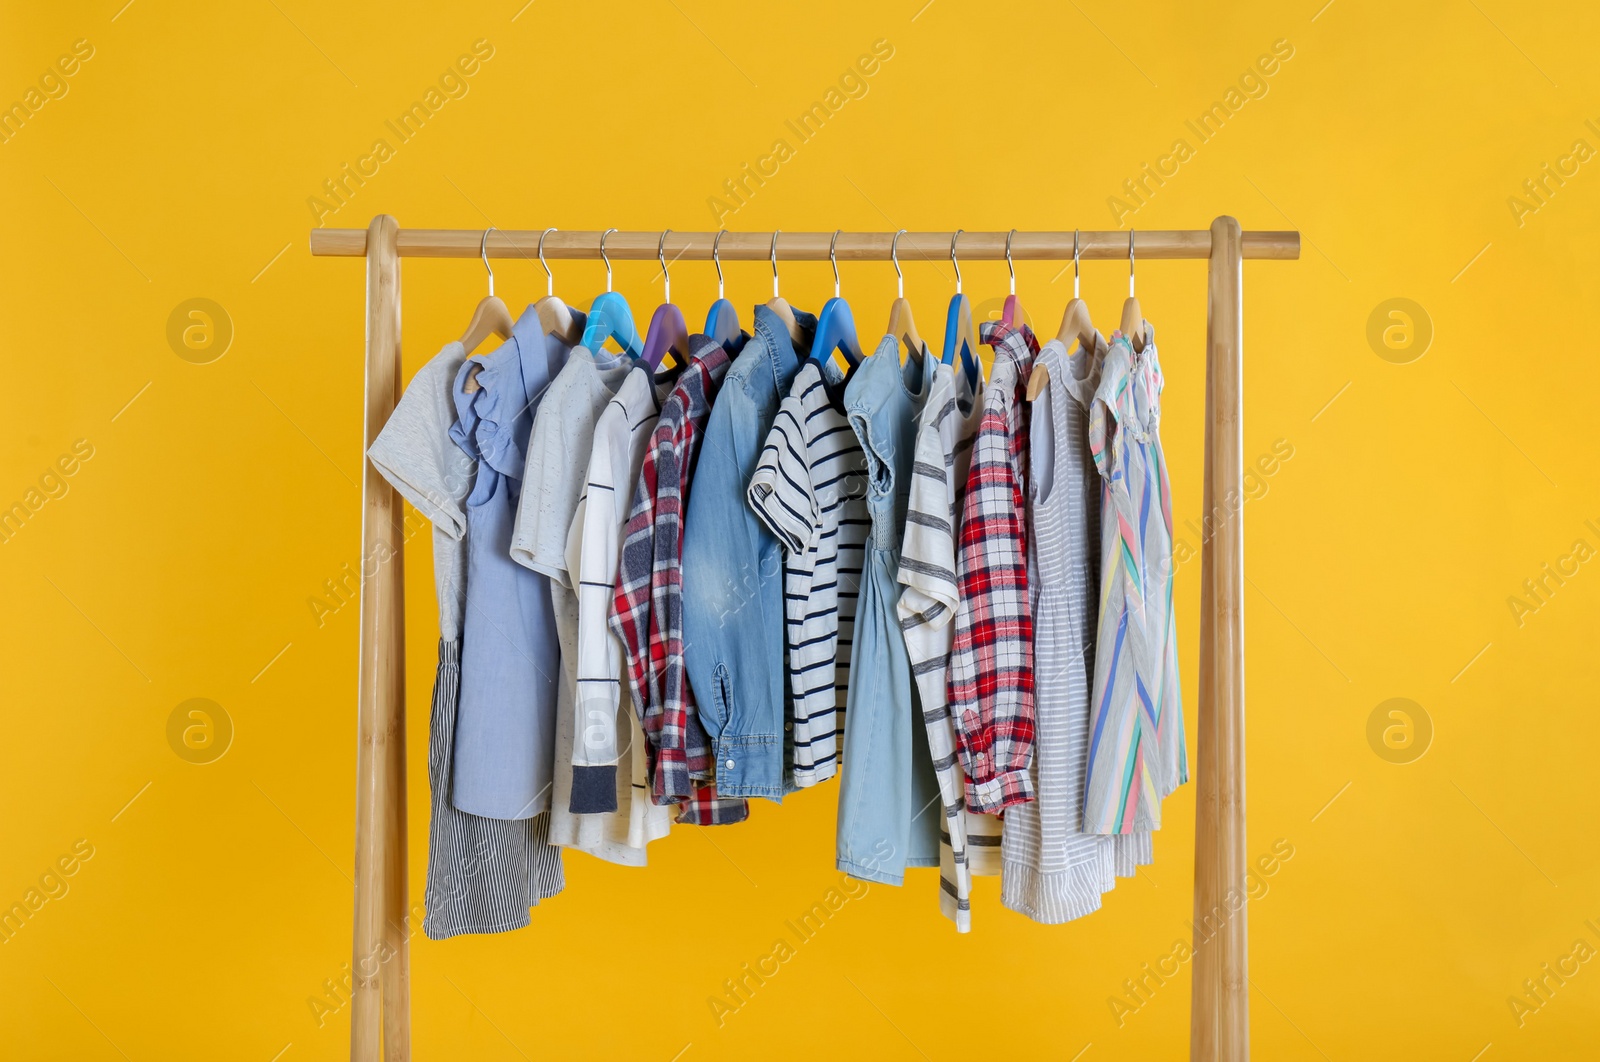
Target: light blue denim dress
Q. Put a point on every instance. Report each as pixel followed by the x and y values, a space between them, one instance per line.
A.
pixel 505 722
pixel 889 810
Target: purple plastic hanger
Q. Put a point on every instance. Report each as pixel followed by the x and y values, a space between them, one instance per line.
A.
pixel 668 330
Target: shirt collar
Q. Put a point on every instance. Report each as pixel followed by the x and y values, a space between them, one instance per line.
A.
pixel 774 336
pixel 1019 344
pixel 702 347
pixel 542 355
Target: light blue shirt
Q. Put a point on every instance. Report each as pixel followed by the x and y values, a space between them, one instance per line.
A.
pixel 510 658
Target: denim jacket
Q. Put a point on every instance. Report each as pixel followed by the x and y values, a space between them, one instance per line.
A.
pixel 733 573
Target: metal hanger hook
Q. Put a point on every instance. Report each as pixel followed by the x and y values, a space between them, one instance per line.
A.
pixel 1074 263
pixel 1130 263
pixel 834 259
pixel 1010 265
pixel 716 260
pixel 894 256
pixel 603 257
pixel 661 255
pixel 775 262
pixel 954 236
pixel 549 277
pixel 483 251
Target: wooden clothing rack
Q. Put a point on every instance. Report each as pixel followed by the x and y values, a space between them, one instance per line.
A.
pixel 381 1003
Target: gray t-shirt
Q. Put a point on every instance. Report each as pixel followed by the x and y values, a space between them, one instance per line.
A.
pixel 415 454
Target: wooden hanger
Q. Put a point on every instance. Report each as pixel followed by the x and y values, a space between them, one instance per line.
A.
pixel 1132 324
pixel 1075 327
pixel 555 319
pixel 491 318
pixel 777 304
pixel 902 325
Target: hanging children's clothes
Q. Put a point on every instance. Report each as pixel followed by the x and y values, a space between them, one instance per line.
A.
pixel 1130 851
pixel 483 874
pixel 733 605
pixel 809 488
pixel 1136 743
pixel 969 845
pixel 510 654
pixel 608 734
pixel 647 602
pixel 558 464
pixel 1054 871
pixel 991 660
pixel 889 795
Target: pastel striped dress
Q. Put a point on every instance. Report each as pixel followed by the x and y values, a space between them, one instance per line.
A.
pixel 1136 737
pixel 1053 870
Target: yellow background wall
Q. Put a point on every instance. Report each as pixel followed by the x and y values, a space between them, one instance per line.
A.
pixel 177 560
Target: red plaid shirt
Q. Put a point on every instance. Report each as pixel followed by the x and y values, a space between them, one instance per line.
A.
pixel 991 662
pixel 647 603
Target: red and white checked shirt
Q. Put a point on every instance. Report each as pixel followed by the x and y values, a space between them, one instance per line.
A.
pixel 991 662
pixel 647 602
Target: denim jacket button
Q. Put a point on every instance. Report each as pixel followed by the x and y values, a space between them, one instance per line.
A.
pixel 729 765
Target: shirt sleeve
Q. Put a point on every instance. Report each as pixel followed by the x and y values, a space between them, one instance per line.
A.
pixel 415 454
pixel 722 548
pixel 780 490
pixel 592 550
pixel 991 662
pixel 928 552
pixel 548 502
pixel 1104 443
pixel 680 741
pixel 630 616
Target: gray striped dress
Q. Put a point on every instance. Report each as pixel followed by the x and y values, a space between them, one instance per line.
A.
pixel 1051 870
pixel 483 874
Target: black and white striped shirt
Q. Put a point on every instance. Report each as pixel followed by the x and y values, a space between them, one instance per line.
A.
pixel 809 488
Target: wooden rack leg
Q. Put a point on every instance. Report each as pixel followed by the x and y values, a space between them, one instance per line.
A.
pixel 380 1015
pixel 1220 1017
pixel 396 982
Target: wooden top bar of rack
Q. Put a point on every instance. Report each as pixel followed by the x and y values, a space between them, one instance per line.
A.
pixel 806 246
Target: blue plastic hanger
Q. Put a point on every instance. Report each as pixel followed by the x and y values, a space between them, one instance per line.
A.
pixel 610 318
pixel 836 330
pixel 958 329
pixel 667 331
pixel 836 325
pixel 722 323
